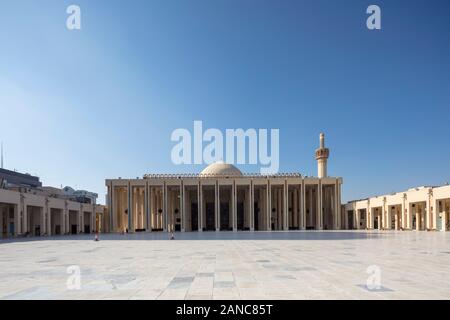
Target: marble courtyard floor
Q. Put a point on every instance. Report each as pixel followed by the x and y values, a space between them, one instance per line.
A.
pixel 229 265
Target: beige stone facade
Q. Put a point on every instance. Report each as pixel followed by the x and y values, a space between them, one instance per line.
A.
pixel 422 208
pixel 219 202
pixel 33 213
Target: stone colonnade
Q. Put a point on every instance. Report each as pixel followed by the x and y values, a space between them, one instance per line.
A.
pixel 423 208
pixel 216 203
pixel 23 213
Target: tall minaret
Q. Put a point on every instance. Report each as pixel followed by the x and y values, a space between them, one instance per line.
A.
pixel 321 156
pixel 1 166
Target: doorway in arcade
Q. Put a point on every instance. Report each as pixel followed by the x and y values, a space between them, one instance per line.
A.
pixel 208 208
pixel 311 199
pixel 362 218
pixel 260 207
pixel 243 207
pixel 350 219
pixel 156 208
pixel 74 218
pixel 191 208
pixel 56 221
pixel 87 228
pixel 173 208
pixel 35 221
pixel 394 217
pixel 294 206
pixel 138 209
pixel 226 205
pixel 376 218
pixel 277 206
pixel 443 215
pixel 418 215
pixel 7 220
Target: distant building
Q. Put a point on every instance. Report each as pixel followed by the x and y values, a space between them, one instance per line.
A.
pixel 11 179
pixel 80 195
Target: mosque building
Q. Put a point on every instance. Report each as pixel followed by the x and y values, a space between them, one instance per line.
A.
pixel 222 198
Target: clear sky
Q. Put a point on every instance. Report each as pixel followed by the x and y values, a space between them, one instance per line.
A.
pixel 77 107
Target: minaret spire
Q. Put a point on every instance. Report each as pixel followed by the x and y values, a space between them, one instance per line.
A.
pixel 322 155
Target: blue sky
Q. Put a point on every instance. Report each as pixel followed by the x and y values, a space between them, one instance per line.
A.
pixel 77 107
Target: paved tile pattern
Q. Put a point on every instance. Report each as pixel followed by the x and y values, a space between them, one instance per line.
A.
pixel 229 265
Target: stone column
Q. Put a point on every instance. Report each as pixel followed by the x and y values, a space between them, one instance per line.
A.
pixel 279 195
pixel 418 217
pixel 262 219
pixel 48 227
pixel 17 225
pixel 158 204
pixel 200 206
pixel 187 209
pixel 332 193
pixel 285 206
pixel 182 211
pixel 248 205
pixel 302 207
pixel 151 208
pixel 112 210
pixel 170 213
pixel 403 215
pixel 252 206
pixel 269 206
pixel 393 214
pixel 142 223
pixel 129 208
pixel 410 216
pixel 161 202
pixel 81 220
pixel 42 220
pixel 234 206
pixel 64 219
pixel 388 215
pixel 217 205
pixel 337 205
pixel 25 228
pixel 135 207
pixel 319 207
pixel 310 216
pixel 388 222
pixel 380 219
pixel 436 214
pixel 93 219
pixel 295 211
pixel 148 225
pixel 397 218
pixel 165 218
pixel 444 217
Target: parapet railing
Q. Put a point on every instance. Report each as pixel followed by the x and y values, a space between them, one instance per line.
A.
pixel 213 175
